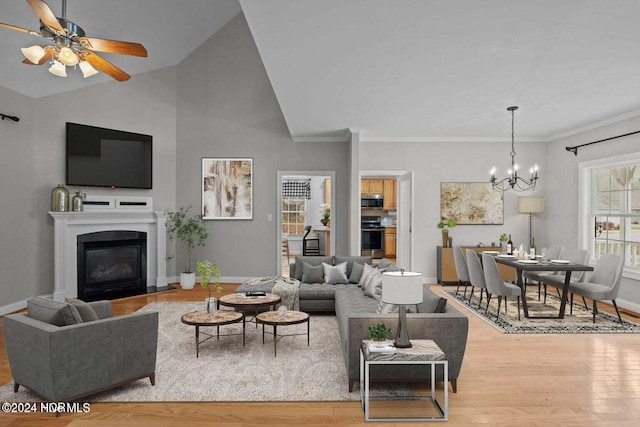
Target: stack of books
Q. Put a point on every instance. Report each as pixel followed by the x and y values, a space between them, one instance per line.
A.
pixel 384 348
pixel 255 294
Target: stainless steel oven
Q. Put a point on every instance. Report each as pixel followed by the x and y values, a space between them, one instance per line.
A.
pixel 371 201
pixel 371 237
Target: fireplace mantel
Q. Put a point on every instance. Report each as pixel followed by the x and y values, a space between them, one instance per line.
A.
pixel 69 225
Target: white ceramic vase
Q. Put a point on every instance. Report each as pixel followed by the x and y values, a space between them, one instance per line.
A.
pixel 210 305
pixel 187 280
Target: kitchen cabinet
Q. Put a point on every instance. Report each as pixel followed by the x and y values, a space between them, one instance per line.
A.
pixel 390 242
pixel 371 186
pixel 389 194
pixel 446 268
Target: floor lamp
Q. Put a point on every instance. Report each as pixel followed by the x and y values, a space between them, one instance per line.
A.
pixel 530 205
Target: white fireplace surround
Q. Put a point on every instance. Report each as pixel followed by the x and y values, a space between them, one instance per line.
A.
pixel 69 225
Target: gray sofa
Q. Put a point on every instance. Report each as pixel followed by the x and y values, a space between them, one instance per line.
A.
pixel 61 355
pixel 356 311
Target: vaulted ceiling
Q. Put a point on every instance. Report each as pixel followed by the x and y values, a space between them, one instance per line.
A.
pixel 390 69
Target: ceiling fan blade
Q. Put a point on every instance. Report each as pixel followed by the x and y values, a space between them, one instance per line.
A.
pixel 106 67
pixel 113 46
pixel 45 14
pixel 22 30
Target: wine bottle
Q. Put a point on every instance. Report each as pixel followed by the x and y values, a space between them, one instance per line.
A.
pixel 509 246
pixel 532 249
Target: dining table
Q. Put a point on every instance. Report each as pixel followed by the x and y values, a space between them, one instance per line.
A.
pixel 521 265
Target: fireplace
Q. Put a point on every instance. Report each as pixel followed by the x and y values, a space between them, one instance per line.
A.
pixel 111 264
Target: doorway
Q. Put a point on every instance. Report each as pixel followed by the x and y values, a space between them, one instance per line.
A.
pixel 305 198
pixel 397 221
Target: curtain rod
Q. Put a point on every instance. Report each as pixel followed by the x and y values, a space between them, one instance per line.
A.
pixel 574 149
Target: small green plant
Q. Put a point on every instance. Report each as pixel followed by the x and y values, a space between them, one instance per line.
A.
pixel 190 231
pixel 207 269
pixel 450 223
pixel 504 238
pixel 379 332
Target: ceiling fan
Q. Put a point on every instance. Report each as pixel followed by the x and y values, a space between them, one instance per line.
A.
pixel 71 47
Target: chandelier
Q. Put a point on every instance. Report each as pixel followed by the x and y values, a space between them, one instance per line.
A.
pixel 512 180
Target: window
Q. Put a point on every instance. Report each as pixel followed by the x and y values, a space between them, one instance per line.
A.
pixel 293 209
pixel 614 210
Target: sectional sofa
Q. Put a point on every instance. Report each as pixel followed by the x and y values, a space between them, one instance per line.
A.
pixel 356 310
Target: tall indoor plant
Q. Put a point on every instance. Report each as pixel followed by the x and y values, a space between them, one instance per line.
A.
pixel 191 231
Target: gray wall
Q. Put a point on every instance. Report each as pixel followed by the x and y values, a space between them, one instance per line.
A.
pixel 32 163
pixel 436 162
pixel 227 108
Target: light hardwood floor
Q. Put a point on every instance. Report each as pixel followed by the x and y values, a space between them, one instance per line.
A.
pixel 533 380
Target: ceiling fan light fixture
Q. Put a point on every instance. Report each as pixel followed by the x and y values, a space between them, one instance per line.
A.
pixel 67 56
pixel 58 69
pixel 33 53
pixel 87 69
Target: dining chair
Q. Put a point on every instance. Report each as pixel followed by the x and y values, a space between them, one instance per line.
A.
pixel 310 242
pixel 476 275
pixel 603 284
pixel 461 270
pixel 556 278
pixel 497 286
pixel 554 252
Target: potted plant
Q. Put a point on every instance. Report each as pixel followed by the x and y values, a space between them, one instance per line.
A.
pixel 379 332
pixel 206 269
pixel 190 231
pixel 445 224
pixel 503 240
pixel 325 210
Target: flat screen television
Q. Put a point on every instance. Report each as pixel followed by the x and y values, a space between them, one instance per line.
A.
pixel 99 157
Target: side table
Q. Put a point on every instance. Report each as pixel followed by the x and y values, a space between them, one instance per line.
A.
pixel 423 352
pixel 202 318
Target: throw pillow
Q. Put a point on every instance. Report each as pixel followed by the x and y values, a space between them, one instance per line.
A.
pixel 367 273
pixel 312 273
pixel 312 260
pixel 52 312
pixel 335 274
pixel 431 303
pixel 87 312
pixel 356 273
pixel 384 263
pixel 374 287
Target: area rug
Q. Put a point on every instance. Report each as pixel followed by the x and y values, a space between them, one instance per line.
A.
pixel 580 322
pixel 227 371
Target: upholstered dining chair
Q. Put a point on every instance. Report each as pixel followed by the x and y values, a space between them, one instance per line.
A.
pixel 603 284
pixel 554 252
pixel 498 287
pixel 476 275
pixel 556 278
pixel 461 270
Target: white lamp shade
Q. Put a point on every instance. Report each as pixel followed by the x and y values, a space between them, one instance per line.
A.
pixel 58 69
pixel 402 287
pixel 67 56
pixel 530 204
pixel 33 53
pixel 87 69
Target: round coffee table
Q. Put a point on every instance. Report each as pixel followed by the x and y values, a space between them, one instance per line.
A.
pixel 220 318
pixel 274 319
pixel 249 304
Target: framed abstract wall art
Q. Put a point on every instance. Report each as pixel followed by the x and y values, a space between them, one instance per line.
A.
pixel 471 203
pixel 227 188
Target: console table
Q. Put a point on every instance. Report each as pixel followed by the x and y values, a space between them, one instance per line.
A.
pixel 422 352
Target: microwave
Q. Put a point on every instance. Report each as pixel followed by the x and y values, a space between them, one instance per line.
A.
pixel 371 201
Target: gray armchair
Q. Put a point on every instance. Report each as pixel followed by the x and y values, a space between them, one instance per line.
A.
pixel 56 354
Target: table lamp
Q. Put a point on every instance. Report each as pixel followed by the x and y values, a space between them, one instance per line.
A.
pixel 402 288
pixel 530 205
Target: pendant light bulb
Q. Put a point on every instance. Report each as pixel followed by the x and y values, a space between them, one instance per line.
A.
pixel 87 69
pixel 58 69
pixel 33 53
pixel 67 56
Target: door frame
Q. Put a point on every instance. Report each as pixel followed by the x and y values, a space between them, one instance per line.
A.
pixel 334 223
